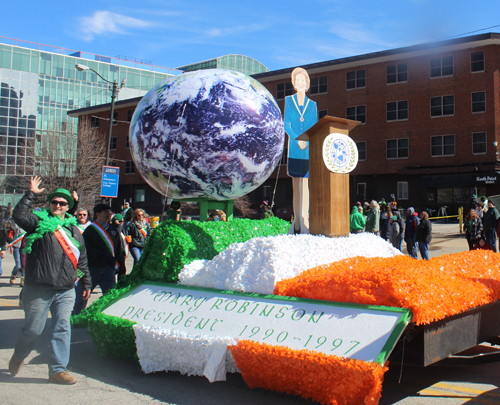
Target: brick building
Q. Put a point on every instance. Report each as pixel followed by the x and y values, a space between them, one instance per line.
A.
pixel 430 118
pixel 430 122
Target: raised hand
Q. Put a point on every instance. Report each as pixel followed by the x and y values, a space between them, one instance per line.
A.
pixel 35 184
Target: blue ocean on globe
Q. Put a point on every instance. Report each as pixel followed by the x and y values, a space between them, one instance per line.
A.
pixel 215 134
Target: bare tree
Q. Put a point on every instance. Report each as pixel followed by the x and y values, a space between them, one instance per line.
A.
pixel 64 160
pixel 242 205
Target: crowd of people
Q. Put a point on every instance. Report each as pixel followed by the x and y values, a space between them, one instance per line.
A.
pixel 384 220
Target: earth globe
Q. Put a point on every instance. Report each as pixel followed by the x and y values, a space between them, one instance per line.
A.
pixel 212 134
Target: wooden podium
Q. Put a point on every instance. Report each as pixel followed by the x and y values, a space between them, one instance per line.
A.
pixel 328 192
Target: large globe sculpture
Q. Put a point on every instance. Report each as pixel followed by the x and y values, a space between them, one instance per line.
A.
pixel 214 134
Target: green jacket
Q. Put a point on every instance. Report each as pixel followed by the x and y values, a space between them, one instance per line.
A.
pixel 357 222
pixel 373 221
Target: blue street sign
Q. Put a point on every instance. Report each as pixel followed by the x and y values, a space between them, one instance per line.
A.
pixel 110 179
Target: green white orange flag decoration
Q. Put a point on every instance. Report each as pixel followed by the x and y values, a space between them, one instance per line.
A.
pixel 167 314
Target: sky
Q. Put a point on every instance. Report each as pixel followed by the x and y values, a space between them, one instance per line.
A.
pixel 279 34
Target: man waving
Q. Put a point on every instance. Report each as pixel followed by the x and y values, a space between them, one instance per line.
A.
pixel 56 257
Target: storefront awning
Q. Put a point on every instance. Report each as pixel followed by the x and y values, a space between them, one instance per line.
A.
pixel 460 180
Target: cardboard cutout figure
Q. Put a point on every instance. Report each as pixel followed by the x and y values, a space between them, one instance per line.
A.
pixel 300 115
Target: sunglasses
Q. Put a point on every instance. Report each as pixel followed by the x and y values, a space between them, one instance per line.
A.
pixel 60 203
pixel 82 215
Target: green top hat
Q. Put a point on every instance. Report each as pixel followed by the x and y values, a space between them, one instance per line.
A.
pixel 63 193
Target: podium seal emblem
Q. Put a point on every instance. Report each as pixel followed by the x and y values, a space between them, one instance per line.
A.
pixel 340 153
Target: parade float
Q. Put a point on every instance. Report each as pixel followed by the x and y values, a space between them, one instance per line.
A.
pixel 315 315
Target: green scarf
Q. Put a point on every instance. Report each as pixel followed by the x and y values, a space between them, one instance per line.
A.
pixel 47 223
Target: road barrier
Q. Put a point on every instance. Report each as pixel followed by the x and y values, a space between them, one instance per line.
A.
pixel 460 217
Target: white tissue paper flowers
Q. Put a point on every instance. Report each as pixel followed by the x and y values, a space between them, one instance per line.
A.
pixel 192 354
pixel 255 266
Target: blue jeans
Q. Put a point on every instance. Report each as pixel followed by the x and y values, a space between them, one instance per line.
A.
pixel 80 303
pixel 424 250
pixel 411 247
pixel 37 301
pixel 16 252
pixel 136 254
pixel 491 238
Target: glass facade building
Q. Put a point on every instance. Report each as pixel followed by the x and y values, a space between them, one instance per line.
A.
pixel 39 87
pixel 240 63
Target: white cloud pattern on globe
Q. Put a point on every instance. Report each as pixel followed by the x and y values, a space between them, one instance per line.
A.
pixel 215 134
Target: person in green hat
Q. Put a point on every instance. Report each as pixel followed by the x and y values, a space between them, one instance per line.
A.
pixel 117 221
pixel 357 221
pixel 55 258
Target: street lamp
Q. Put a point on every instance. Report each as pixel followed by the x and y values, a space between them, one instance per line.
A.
pixel 115 89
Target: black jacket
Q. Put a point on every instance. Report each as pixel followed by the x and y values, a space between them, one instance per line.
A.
pixel 138 238
pixel 97 250
pixel 48 264
pixel 424 231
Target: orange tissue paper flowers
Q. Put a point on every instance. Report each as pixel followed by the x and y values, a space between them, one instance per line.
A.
pixel 326 379
pixel 432 290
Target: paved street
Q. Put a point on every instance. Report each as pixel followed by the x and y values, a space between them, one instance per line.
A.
pixel 109 380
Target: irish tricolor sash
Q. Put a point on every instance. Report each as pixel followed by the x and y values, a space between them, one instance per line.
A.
pixel 144 233
pixel 80 228
pixel 125 245
pixel 18 239
pixel 70 245
pixel 105 237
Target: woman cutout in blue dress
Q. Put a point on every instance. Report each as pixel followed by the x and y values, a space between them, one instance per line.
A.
pixel 300 115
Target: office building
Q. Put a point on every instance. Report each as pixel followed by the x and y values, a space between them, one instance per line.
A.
pixel 240 63
pixel 39 84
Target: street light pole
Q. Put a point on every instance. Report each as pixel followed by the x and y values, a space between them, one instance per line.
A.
pixel 114 93
pixel 111 112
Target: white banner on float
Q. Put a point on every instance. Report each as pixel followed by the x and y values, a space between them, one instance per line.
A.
pixel 347 330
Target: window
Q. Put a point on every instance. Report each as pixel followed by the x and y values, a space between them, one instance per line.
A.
pixel 94 122
pixel 127 144
pixel 397 148
pixel 402 190
pixel 357 113
pixel 361 191
pixel 397 73
pixel 397 110
pixel 450 195
pixel 479 143
pixel 140 195
pixel 322 113
pixel 479 102
pixel 356 80
pixel 112 143
pixel 115 118
pixel 477 61
pixel 129 167
pixel 442 106
pixel 441 67
pixel 443 145
pixel 283 90
pixel 319 85
pixel 361 150
pixel 130 113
